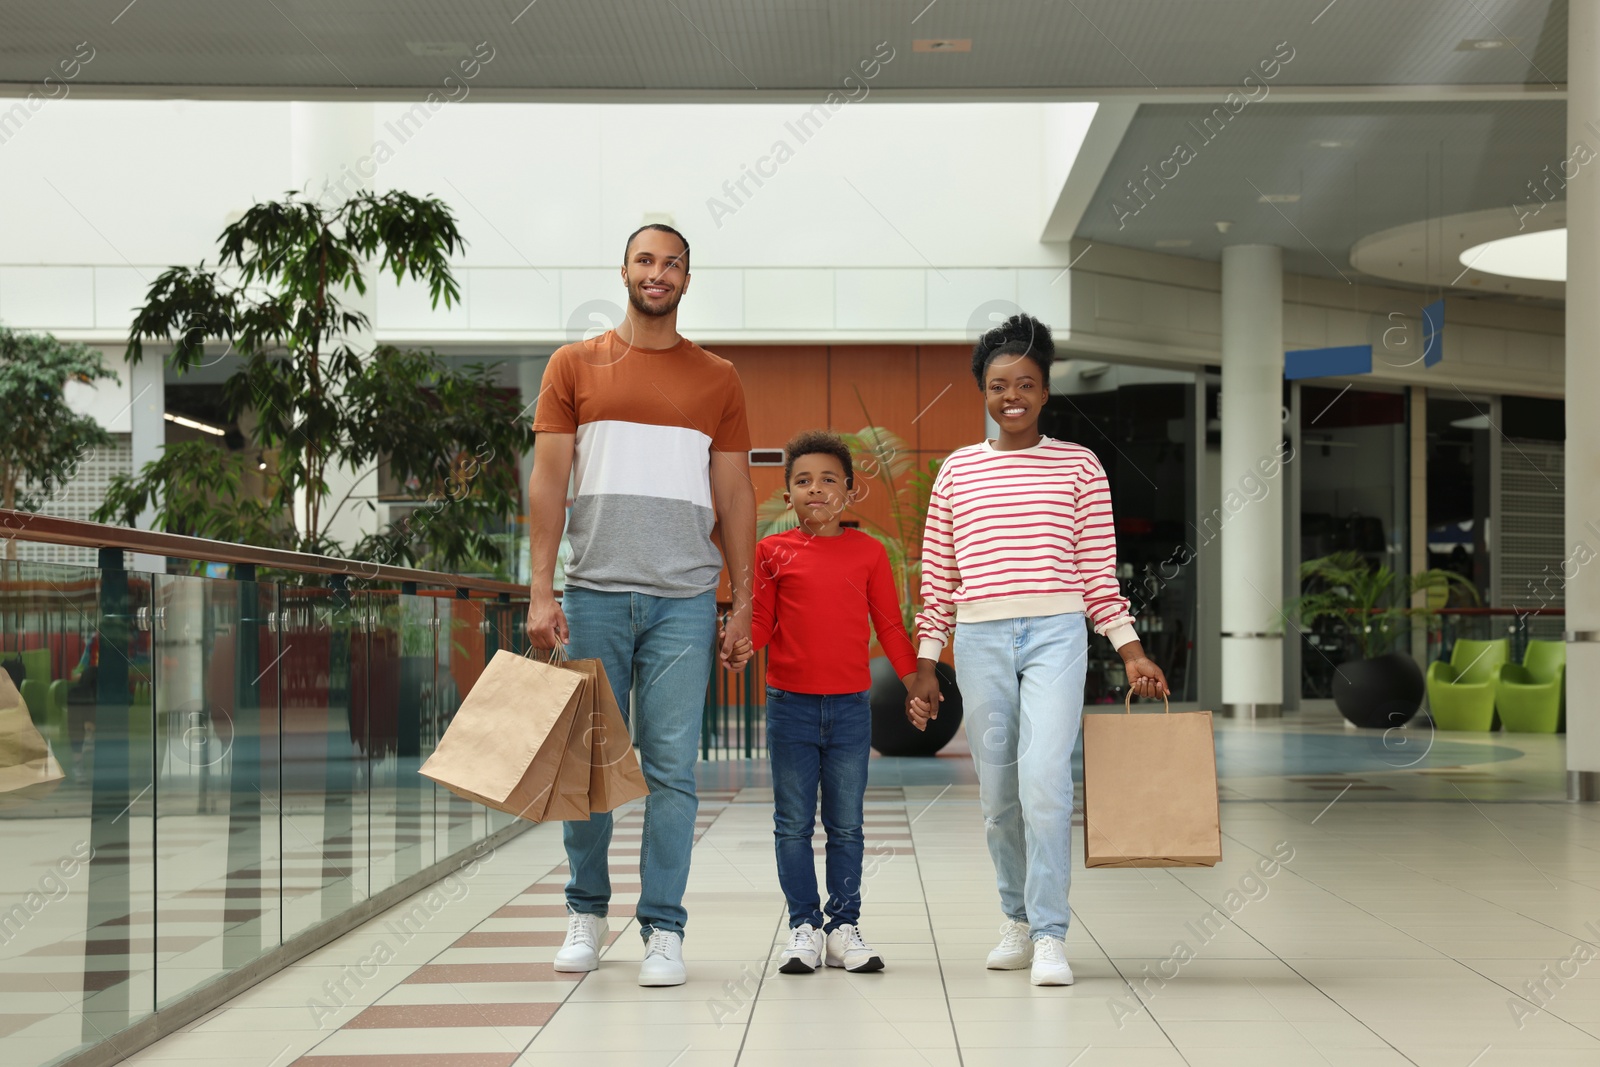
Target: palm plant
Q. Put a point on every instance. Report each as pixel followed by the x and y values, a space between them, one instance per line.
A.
pixel 1372 604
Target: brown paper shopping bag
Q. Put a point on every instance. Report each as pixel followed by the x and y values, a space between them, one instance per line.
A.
pixel 506 744
pixel 25 760
pixel 1150 790
pixel 614 773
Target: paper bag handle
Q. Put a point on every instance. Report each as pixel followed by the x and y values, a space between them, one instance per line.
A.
pixel 557 654
pixel 1127 703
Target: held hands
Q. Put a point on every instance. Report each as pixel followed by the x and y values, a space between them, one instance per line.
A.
pixel 922 695
pixel 733 640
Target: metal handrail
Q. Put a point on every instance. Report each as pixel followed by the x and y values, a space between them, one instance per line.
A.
pixel 50 529
pixel 1553 612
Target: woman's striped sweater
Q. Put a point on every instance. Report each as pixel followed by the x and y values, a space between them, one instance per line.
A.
pixel 1021 533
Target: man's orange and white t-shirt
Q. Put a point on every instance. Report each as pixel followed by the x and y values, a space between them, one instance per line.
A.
pixel 646 422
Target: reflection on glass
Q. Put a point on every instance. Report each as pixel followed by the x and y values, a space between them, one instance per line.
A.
pixel 324 776
pixel 217 781
pixel 260 741
pixel 77 954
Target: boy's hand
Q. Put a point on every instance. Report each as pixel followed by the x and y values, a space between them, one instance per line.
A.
pixel 922 696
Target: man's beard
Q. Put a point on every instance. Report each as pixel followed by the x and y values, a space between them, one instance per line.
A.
pixel 637 299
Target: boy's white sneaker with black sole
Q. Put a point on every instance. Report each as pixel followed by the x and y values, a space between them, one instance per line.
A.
pixel 803 953
pixel 847 949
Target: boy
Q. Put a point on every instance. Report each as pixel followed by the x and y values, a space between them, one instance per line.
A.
pixel 818 587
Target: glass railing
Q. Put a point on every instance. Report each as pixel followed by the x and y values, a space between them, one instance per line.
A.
pixel 239 768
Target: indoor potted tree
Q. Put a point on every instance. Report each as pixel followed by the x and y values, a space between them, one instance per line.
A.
pixel 44 439
pixel 881 455
pixel 1373 606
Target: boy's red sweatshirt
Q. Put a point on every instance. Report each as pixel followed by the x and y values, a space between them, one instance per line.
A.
pixel 814 599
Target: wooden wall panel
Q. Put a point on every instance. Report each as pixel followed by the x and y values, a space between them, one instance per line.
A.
pixel 884 379
pixel 884 376
pixel 785 389
pixel 948 400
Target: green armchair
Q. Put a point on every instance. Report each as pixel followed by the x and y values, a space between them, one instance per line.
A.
pixel 1532 694
pixel 36 694
pixel 1461 693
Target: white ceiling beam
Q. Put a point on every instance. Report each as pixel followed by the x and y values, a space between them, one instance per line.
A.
pixel 1111 121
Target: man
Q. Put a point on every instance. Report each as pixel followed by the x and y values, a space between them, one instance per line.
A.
pixel 654 427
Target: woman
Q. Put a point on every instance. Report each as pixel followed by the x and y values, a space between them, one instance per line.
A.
pixel 1019 551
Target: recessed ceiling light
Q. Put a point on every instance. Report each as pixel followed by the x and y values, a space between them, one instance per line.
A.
pixel 1541 255
pixel 1485 44
pixel 438 48
pixel 943 44
pixel 1174 242
pixel 1333 144
pixel 1279 198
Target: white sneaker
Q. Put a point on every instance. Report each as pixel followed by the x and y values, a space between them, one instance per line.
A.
pixel 663 960
pixel 1050 962
pixel 847 950
pixel 581 950
pixel 803 954
pixel 1014 951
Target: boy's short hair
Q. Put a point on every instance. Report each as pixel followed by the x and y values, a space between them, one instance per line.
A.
pixel 818 442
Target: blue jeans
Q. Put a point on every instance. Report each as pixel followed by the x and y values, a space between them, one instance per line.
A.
pixel 826 741
pixel 660 648
pixel 1022 687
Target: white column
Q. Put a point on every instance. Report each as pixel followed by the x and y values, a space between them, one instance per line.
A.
pixel 148 432
pixel 1583 395
pixel 325 143
pixel 1252 532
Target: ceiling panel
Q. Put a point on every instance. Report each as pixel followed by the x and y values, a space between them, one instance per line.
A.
pixel 1387 164
pixel 658 47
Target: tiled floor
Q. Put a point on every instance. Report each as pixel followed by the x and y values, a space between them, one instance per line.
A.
pixel 1438 904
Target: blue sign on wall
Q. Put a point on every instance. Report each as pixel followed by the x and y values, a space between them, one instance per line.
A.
pixel 1327 362
pixel 1433 333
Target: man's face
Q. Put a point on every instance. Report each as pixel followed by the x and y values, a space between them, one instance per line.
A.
pixel 654 273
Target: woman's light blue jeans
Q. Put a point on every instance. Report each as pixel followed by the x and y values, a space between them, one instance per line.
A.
pixel 1022 688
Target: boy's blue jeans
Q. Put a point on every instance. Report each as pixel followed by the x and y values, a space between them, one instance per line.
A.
pixel 660 648
pixel 819 740
pixel 1022 687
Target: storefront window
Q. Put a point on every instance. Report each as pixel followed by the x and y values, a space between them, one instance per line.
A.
pixel 1459 465
pixel 1352 460
pixel 1140 422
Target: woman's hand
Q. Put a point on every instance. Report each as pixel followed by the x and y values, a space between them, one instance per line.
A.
pixel 1144 677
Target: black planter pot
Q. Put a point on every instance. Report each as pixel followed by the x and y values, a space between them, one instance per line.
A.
pixel 892 735
pixel 1381 692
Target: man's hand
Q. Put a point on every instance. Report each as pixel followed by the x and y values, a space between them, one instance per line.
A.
pixel 735 634
pixel 547 623
pixel 922 694
pixel 1144 677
